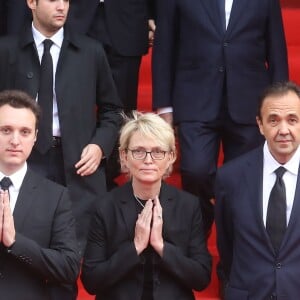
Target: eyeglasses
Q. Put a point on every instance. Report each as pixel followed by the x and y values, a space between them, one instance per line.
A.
pixel 141 154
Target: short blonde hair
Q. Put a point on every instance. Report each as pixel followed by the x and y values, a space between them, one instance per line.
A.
pixel 149 125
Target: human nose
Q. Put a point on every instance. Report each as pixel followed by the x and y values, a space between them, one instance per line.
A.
pixel 15 139
pixel 148 157
pixel 284 128
pixel 61 4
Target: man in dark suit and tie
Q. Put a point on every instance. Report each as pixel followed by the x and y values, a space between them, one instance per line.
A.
pixel 211 61
pixel 38 246
pixel 257 206
pixel 125 28
pixel 80 126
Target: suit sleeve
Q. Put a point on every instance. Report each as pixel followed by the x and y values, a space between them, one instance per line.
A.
pixel 193 269
pixel 164 53
pixel 109 106
pixel 224 226
pixel 59 262
pixel 276 44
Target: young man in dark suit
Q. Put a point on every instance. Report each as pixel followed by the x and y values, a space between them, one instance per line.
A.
pixel 85 108
pixel 38 246
pixel 257 206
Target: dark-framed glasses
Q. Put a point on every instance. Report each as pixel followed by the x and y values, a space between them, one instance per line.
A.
pixel 141 154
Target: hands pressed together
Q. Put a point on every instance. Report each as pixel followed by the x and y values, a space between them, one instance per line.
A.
pixel 148 228
pixel 7 227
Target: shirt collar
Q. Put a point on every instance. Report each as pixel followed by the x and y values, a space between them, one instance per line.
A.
pixel 17 177
pixel 271 164
pixel 39 38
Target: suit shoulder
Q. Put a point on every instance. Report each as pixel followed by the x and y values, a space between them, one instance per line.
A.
pixel 109 199
pixel 241 162
pixel 180 195
pixel 47 186
pixel 84 42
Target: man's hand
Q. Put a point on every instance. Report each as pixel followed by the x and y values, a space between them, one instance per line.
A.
pixel 152 27
pixel 90 160
pixel 168 117
pixel 7 226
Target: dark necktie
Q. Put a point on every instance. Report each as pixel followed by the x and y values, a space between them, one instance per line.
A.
pixel 45 100
pixel 221 5
pixel 5 183
pixel 276 213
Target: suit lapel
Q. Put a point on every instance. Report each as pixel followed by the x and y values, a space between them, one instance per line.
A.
pixel 254 185
pixel 212 9
pixel 27 77
pixel 238 7
pixel 27 194
pixel 294 218
pixel 167 200
pixel 66 59
pixel 127 207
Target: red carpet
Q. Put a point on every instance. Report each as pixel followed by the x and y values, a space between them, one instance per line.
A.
pixel 291 16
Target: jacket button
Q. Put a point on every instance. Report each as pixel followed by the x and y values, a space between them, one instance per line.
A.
pixel 30 75
pixel 278 265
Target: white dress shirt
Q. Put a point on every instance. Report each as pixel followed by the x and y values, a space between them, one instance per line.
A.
pixel 289 178
pixel 16 179
pixel 228 6
pixel 57 40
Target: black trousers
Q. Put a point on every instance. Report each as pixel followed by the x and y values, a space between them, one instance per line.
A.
pixel 200 144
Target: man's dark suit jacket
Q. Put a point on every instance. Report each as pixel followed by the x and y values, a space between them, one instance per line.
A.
pixel 192 53
pixel 13 15
pixel 112 269
pixel 83 81
pixel 45 250
pixel 126 20
pixel 247 255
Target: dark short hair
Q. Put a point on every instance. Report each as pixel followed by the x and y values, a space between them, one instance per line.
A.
pixel 20 99
pixel 276 90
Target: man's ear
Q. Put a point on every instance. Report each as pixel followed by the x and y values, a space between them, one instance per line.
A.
pixel 31 4
pixel 260 125
pixel 35 137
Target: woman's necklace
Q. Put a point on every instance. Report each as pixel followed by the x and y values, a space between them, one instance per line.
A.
pixel 139 201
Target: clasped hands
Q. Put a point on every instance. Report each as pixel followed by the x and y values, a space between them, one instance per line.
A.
pixel 7 226
pixel 148 228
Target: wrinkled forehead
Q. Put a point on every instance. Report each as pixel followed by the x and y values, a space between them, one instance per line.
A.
pixel 281 105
